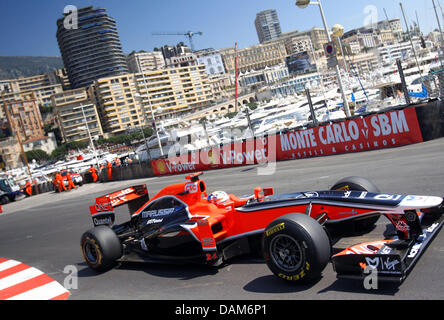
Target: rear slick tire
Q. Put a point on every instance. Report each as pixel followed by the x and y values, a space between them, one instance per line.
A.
pixel 296 248
pixel 101 248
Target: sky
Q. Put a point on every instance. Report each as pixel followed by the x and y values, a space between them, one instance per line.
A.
pixel 28 27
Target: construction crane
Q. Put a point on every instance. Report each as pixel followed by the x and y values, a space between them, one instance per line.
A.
pixel 189 34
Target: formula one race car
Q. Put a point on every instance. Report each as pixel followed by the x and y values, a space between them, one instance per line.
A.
pixel 182 224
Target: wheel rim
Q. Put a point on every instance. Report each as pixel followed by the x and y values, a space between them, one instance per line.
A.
pixel 91 253
pixel 286 252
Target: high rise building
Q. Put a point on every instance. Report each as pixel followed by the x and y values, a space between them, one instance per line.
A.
pixel 267 25
pixel 91 49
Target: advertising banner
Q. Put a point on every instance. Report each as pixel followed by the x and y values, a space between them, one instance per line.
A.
pixel 385 130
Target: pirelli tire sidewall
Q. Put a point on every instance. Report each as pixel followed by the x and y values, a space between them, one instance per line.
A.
pixel 101 248
pixel 310 239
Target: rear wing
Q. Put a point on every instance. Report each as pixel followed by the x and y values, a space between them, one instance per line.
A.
pixel 102 212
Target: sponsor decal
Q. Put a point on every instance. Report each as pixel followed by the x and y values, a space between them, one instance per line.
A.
pixel 310 194
pixel 103 221
pixel 298 276
pixel 382 264
pixel 388 197
pixel 274 229
pixel 161 167
pixel 153 221
pixel 157 213
pixel 421 239
pixel 103 207
pixel 413 198
pixel 191 187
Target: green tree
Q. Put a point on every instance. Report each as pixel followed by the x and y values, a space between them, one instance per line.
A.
pixel 37 155
pixel 61 151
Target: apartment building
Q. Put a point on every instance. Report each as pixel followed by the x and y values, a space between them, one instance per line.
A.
pixel 143 61
pixel 125 101
pixel 255 57
pixel 394 25
pixel 221 86
pixel 267 76
pixel 10 151
pixel 317 36
pixel 39 81
pixel 41 94
pixel 5 86
pixel 298 44
pixel 116 101
pixel 363 63
pixel 76 114
pixel 212 60
pixel 183 60
pixel 366 38
pixel 267 25
pixel 43 86
pixel 175 91
pixel 23 116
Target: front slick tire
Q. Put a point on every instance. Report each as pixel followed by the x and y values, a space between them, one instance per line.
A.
pixel 296 248
pixel 100 248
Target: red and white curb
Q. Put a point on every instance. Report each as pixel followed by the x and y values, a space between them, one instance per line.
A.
pixel 19 281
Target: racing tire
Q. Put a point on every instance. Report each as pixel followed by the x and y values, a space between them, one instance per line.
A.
pixel 296 248
pixel 101 248
pixel 355 183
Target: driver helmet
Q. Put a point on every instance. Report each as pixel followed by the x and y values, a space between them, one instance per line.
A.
pixel 218 197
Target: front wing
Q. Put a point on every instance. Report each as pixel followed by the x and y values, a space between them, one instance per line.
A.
pixel 390 260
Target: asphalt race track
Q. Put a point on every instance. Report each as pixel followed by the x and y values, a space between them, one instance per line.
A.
pixel 44 232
